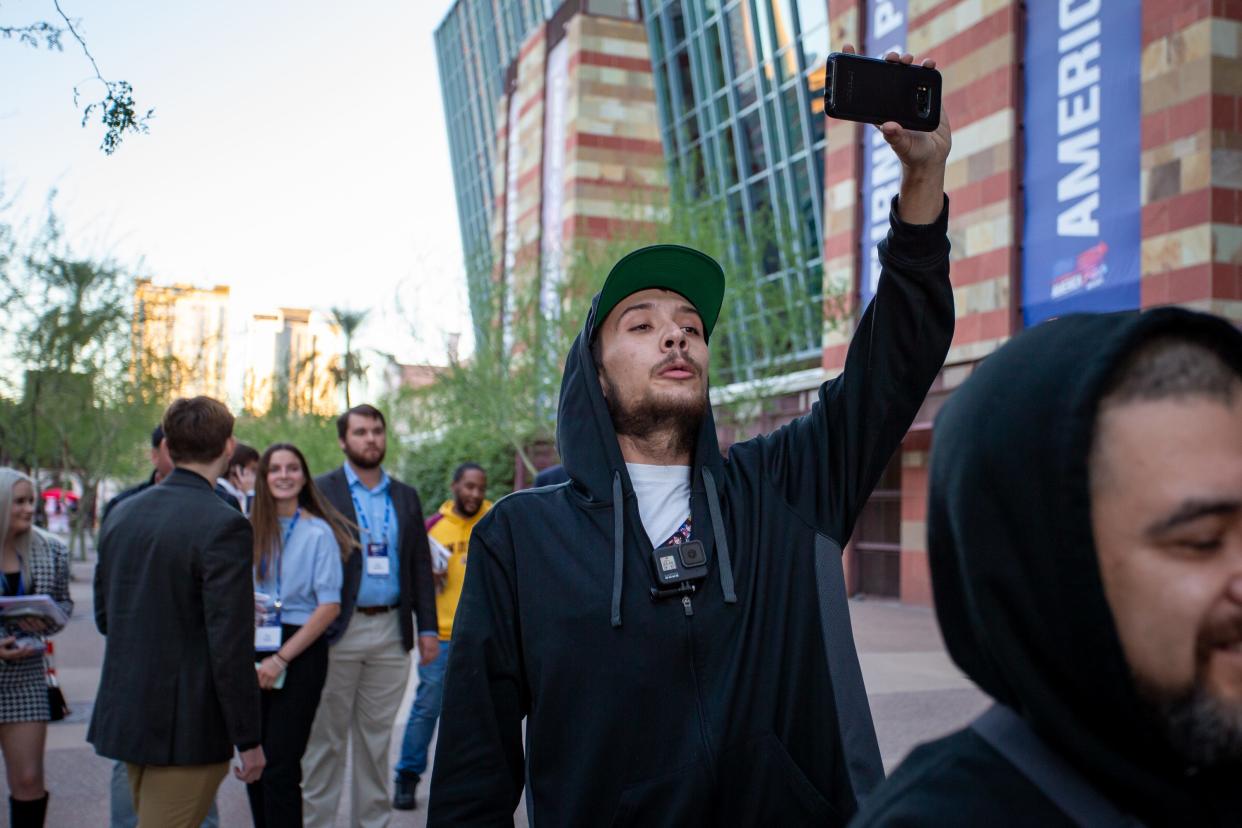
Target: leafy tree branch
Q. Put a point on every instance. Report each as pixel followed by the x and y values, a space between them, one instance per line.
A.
pixel 116 109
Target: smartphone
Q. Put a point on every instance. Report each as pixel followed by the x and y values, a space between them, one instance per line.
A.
pixel 874 90
pixel 280 680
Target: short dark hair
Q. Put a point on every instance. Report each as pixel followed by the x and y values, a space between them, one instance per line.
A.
pixel 465 467
pixel 157 436
pixel 364 410
pixel 243 455
pixel 197 429
pixel 1169 366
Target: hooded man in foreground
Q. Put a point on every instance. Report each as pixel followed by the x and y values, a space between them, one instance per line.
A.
pixel 1085 536
pixel 672 624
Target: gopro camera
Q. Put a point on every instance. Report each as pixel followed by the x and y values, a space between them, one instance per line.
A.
pixel 678 566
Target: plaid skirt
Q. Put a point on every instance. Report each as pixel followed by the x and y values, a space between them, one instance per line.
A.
pixel 23 691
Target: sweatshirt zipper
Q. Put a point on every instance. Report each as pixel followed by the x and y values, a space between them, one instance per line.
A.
pixel 688 606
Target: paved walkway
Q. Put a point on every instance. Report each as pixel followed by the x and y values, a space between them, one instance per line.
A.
pixel 916 694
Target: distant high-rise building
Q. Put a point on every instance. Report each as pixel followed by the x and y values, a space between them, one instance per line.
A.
pixel 293 360
pixel 741 117
pixel 180 338
pixel 476 43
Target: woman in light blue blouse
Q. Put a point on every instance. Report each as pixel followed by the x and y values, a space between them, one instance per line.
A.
pixel 299 544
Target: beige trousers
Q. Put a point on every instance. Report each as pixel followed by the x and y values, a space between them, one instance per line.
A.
pixel 176 796
pixel 367 672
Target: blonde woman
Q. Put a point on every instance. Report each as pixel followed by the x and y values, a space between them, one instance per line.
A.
pixel 33 563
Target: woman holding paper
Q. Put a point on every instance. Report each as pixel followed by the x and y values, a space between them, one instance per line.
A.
pixel 33 563
pixel 299 544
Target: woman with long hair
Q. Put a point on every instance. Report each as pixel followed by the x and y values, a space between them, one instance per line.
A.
pixel 300 542
pixel 33 563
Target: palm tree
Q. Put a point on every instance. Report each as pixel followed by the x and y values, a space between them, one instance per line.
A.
pixel 349 321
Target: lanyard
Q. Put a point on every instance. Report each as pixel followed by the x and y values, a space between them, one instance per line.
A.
pixel 366 524
pixel 280 555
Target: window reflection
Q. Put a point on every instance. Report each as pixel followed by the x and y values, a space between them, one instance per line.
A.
pixel 714 56
pixel 741 39
pixel 792 119
pixel 685 84
pixel 655 38
pixel 752 136
pixel 676 21
pixel 728 149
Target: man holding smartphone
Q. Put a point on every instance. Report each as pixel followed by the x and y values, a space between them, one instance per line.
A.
pixel 672 624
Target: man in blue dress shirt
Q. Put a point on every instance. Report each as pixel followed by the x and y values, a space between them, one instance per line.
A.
pixel 387 606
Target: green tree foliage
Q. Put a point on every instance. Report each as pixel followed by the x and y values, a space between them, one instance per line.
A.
pixel 350 366
pixel 73 406
pixel 115 107
pixel 314 435
pixel 428 464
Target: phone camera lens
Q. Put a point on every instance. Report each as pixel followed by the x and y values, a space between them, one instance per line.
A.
pixel 922 100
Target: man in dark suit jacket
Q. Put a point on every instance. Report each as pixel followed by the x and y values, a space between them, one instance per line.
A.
pixel 174 595
pixel 388 590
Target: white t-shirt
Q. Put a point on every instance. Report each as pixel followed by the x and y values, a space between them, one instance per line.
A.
pixel 663 498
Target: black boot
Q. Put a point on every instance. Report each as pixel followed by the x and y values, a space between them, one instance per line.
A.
pixel 403 797
pixel 27 813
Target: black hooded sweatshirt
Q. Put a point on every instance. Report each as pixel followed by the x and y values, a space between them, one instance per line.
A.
pixel 1020 600
pixel 743 705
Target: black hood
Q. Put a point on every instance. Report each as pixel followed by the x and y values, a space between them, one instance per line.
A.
pixel 1017 585
pixel 591 456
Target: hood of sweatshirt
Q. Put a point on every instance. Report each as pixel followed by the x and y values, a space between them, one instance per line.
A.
pixel 1017 585
pixel 591 456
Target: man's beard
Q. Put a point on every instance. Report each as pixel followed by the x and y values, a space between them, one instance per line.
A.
pixel 363 462
pixel 677 417
pixel 463 511
pixel 1202 729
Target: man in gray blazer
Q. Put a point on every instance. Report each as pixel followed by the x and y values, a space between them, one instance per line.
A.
pixel 174 596
pixel 388 588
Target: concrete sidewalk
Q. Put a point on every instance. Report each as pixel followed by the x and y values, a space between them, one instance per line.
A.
pixel 916 694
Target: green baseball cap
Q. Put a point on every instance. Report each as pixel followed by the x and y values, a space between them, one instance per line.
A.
pixel 683 270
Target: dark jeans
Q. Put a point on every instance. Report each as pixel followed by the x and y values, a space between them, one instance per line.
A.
pixel 288 713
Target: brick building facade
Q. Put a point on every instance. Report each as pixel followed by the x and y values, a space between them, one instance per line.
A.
pixel 579 128
pixel 577 141
pixel 1190 193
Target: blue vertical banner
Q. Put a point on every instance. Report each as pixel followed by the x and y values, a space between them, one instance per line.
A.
pixel 886 32
pixel 1082 230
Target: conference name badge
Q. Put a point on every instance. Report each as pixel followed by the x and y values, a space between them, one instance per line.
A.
pixel 267 624
pixel 377 559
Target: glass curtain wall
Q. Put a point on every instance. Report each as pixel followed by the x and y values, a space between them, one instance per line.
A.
pixel 739 86
pixel 475 43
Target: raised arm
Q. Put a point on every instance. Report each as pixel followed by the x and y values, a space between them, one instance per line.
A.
pixel 827 462
pixel 479 766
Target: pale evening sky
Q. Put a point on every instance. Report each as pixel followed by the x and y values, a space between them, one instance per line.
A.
pixel 298 154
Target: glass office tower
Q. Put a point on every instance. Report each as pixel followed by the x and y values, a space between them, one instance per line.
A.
pixel 739 85
pixel 475 44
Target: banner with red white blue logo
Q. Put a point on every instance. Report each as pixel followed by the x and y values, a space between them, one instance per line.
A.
pixel 1082 225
